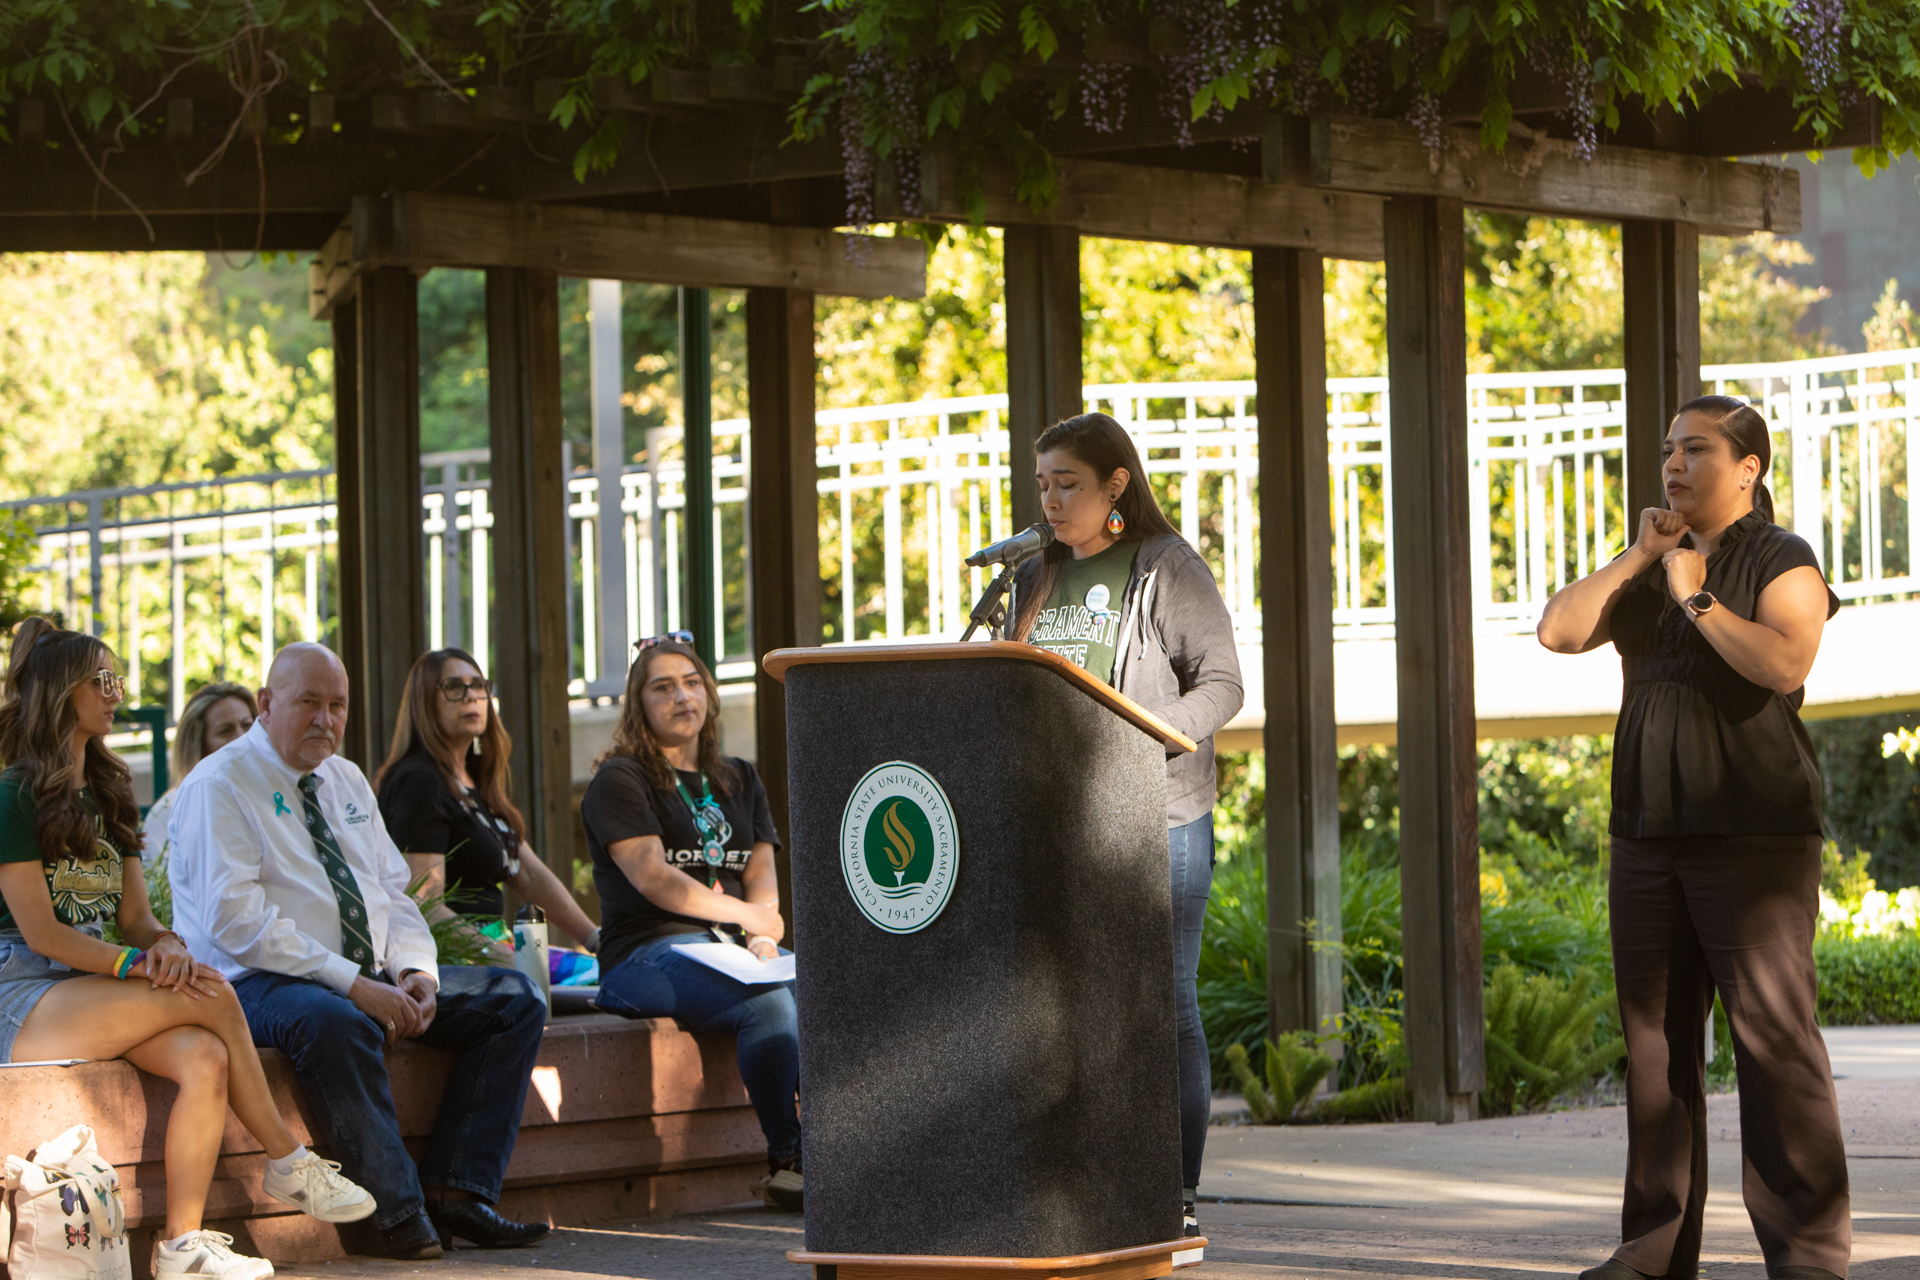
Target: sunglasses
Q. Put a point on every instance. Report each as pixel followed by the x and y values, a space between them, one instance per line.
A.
pixel 679 637
pixel 464 690
pixel 113 685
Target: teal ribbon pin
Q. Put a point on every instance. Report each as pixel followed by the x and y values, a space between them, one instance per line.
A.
pixel 280 804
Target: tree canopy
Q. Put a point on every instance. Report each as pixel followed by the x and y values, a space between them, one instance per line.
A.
pixel 986 78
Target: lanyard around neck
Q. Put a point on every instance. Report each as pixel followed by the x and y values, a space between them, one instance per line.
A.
pixel 707 820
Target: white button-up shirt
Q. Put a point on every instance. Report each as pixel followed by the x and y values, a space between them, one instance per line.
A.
pixel 249 890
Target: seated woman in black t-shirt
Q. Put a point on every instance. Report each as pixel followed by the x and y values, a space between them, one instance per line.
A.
pixel 443 795
pixel 682 843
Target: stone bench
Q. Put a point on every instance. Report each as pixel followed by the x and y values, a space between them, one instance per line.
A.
pixel 625 1119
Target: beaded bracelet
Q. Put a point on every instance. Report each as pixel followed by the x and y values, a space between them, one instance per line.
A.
pixel 129 957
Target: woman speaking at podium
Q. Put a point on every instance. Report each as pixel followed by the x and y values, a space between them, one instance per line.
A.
pixel 1717 613
pixel 1122 595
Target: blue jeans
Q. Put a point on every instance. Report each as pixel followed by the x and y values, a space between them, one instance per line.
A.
pixel 1190 857
pixel 491 1017
pixel 655 981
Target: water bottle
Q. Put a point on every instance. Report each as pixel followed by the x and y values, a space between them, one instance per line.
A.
pixel 530 958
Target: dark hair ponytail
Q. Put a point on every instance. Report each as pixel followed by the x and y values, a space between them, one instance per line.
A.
pixel 1100 442
pixel 1745 430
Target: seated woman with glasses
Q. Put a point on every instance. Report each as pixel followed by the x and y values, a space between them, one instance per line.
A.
pixel 69 864
pixel 215 715
pixel 444 797
pixel 682 841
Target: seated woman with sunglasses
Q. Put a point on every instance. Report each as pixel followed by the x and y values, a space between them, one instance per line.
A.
pixel 443 795
pixel 682 842
pixel 69 863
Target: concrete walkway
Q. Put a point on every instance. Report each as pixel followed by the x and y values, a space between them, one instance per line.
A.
pixel 1528 1198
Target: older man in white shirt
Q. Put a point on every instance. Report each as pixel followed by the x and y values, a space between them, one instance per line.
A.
pixel 284 874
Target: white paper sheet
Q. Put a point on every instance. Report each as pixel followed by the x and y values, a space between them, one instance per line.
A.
pixel 737 963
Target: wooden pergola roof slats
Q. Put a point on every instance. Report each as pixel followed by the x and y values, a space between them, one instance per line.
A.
pixel 1544 176
pixel 426 230
pixel 1172 206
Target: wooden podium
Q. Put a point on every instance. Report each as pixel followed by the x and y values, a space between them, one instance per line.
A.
pixel 983 921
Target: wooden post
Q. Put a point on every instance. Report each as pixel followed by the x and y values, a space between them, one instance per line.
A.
pixel 1433 626
pixel 696 412
pixel 1661 264
pixel 529 502
pixel 350 608
pixel 1296 612
pixel 1042 270
pixel 387 461
pixel 783 518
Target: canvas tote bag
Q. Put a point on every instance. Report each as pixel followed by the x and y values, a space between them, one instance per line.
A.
pixel 68 1222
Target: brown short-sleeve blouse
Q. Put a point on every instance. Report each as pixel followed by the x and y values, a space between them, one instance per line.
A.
pixel 1699 749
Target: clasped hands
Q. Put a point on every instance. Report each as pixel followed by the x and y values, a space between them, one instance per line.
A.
pixel 168 965
pixel 404 1011
pixel 763 924
pixel 1661 532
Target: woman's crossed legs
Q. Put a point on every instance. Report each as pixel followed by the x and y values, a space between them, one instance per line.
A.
pixel 201 1044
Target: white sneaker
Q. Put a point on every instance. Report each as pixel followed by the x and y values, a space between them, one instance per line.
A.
pixel 206 1253
pixel 315 1186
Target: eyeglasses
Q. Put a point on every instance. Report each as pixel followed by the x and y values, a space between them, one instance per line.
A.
pixel 679 637
pixel 113 685
pixel 464 690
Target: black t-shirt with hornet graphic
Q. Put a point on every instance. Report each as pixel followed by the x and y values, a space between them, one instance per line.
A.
pixel 84 890
pixel 621 804
pixel 1081 619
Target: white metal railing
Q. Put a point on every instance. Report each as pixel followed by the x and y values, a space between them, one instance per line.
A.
pixel 208 577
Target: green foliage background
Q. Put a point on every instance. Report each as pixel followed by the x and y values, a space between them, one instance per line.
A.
pixel 991 79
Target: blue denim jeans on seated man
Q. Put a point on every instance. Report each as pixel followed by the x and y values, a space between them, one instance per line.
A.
pixel 655 981
pixel 493 1018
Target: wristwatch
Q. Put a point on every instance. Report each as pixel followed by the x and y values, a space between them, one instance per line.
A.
pixel 1698 603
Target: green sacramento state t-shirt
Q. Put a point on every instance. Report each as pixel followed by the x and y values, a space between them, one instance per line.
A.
pixel 1081 619
pixel 83 890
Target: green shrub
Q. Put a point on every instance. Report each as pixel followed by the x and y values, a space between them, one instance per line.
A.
pixel 1387 1099
pixel 1294 1069
pixel 1541 1037
pixel 1867 980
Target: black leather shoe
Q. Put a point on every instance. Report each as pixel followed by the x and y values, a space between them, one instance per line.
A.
pixel 476 1222
pixel 411 1239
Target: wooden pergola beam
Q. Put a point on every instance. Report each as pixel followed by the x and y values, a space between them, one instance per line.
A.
pixel 421 231
pixel 1171 206
pixel 1542 175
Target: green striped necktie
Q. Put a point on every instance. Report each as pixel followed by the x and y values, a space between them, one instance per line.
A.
pixel 356 942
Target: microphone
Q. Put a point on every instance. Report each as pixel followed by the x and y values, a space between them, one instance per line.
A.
pixel 1011 551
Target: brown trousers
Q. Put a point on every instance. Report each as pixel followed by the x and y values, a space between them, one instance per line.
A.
pixel 1734 913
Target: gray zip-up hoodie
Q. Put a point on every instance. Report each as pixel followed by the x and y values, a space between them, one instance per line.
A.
pixel 1175 657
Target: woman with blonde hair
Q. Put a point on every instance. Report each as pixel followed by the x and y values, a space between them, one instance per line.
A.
pixel 215 715
pixel 69 863
pixel 682 841
pixel 445 797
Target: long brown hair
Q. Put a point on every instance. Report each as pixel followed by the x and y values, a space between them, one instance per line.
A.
pixel 190 734
pixel 1103 444
pixel 416 727
pixel 633 736
pixel 1744 428
pixel 37 720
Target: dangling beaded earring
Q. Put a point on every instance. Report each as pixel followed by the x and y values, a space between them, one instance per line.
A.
pixel 1116 523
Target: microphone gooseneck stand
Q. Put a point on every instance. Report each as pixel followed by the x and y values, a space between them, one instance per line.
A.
pixel 991 609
